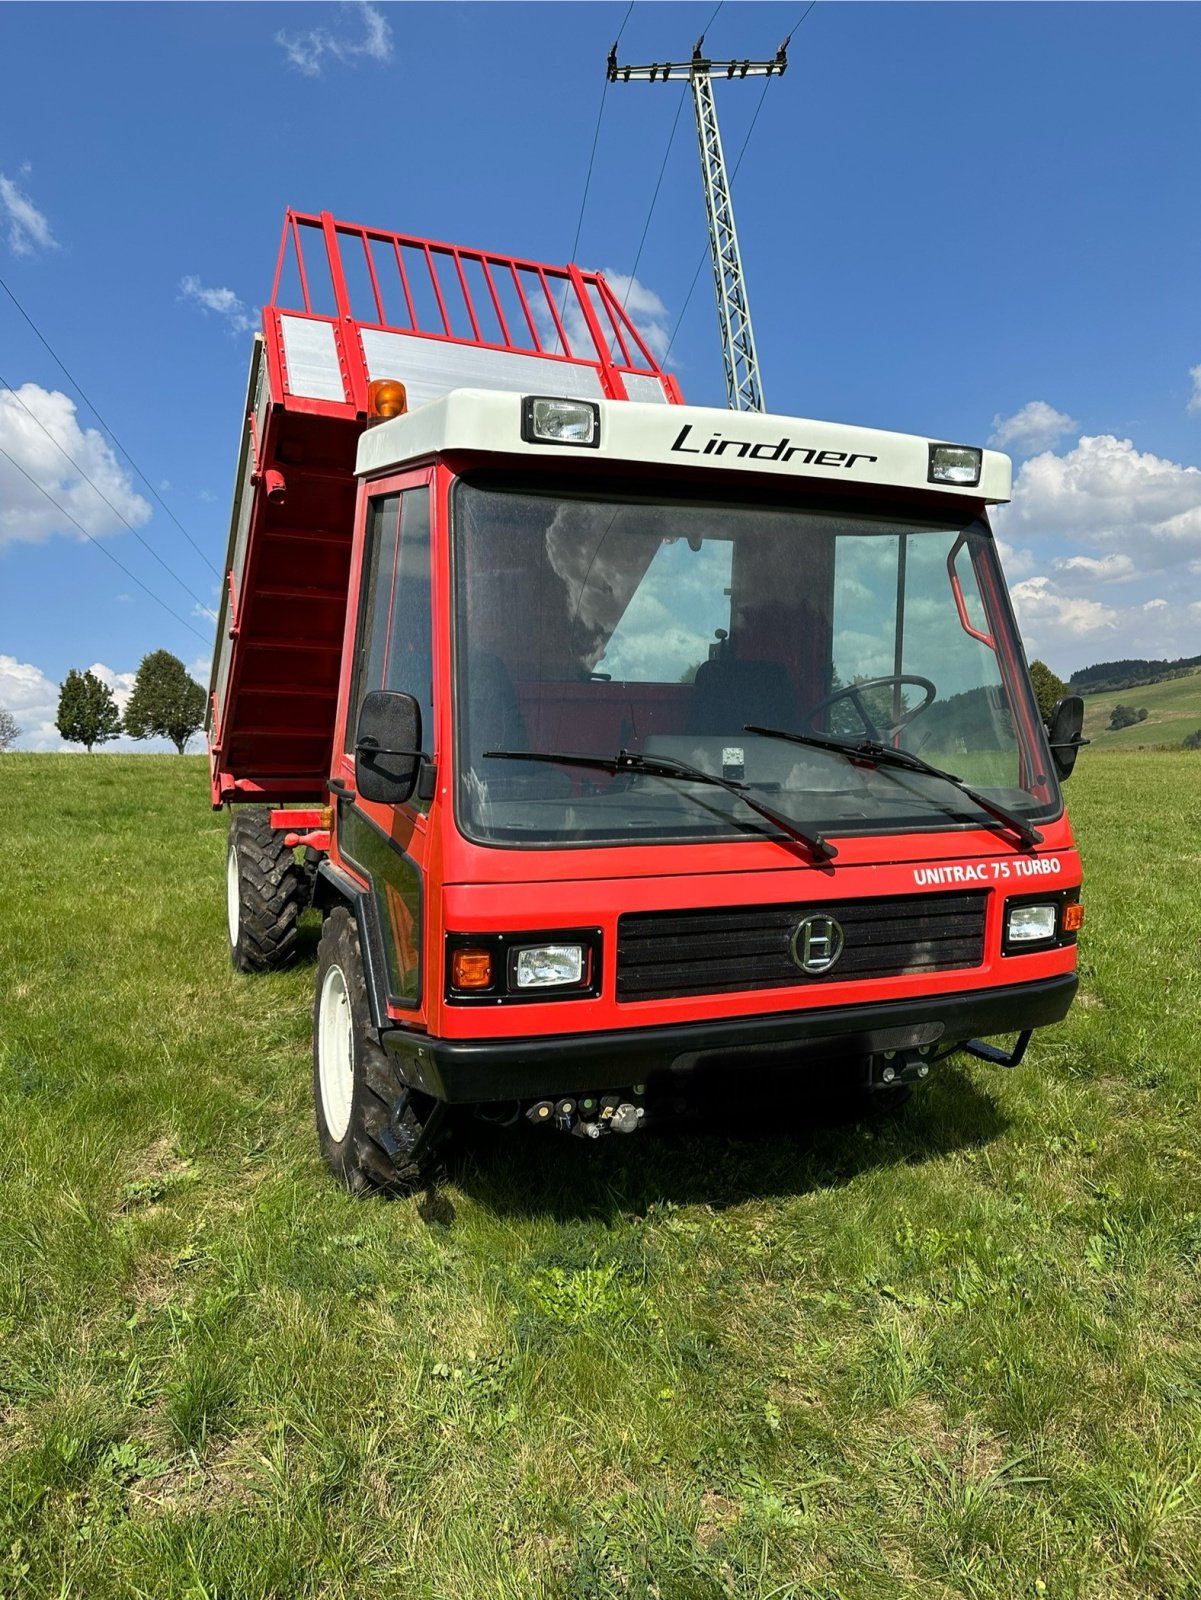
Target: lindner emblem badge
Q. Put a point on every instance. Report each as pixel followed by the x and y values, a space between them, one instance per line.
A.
pixel 816 944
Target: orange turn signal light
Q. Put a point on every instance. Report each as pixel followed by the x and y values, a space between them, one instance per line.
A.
pixel 1073 917
pixel 386 398
pixel 471 969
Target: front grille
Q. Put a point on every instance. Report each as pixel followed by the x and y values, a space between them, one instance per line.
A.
pixel 724 949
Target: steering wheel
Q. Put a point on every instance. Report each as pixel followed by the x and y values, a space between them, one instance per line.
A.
pixel 854 692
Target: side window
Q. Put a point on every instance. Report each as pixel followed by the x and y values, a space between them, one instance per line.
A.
pixel 379 560
pixel 392 642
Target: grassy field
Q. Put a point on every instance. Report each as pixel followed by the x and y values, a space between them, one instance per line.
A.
pixel 955 1353
pixel 1173 710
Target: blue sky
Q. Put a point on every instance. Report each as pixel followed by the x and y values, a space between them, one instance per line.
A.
pixel 978 222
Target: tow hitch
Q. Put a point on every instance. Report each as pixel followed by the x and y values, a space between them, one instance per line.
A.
pixel 900 1066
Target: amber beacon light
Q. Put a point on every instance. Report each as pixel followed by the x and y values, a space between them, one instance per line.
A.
pixel 386 398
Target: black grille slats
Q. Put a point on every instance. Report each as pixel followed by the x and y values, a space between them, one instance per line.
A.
pixel 725 949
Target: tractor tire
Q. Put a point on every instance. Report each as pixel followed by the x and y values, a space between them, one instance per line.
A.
pixel 265 892
pixel 368 1121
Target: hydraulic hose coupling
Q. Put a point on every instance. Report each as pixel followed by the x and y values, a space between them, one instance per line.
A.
pixel 590 1116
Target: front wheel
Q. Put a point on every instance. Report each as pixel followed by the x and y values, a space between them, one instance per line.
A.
pixel 369 1124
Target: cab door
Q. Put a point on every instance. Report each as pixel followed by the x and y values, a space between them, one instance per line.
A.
pixel 389 646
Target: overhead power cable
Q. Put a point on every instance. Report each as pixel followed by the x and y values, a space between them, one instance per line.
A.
pixel 62 510
pixel 63 451
pixel 112 435
pixel 595 138
pixel 663 168
pixel 705 254
pixel 658 184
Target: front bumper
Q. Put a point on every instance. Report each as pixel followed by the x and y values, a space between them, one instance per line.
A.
pixel 475 1071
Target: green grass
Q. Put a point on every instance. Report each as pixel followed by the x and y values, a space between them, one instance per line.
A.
pixel 1173 710
pixel 952 1354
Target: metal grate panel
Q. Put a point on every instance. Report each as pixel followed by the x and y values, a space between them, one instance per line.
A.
pixel 727 949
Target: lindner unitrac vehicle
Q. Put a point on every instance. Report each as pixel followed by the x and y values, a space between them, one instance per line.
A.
pixel 625 740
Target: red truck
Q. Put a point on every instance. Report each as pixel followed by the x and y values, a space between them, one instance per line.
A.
pixel 617 740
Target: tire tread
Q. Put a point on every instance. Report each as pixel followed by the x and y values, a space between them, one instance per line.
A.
pixel 273 893
pixel 384 1121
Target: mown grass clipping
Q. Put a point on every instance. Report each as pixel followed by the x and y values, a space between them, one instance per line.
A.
pixel 950 1353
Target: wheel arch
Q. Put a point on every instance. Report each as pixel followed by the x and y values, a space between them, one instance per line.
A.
pixel 333 888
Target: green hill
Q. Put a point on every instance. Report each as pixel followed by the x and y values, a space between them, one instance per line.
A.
pixel 1173 710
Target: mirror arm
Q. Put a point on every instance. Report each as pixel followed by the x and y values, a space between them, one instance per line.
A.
pixel 368 747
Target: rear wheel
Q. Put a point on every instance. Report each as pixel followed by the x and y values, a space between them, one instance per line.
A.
pixel 368 1122
pixel 265 892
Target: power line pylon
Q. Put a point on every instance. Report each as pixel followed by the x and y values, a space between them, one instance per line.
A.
pixel 744 392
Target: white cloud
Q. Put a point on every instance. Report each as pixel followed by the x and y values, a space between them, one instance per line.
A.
pixel 1138 517
pixel 644 309
pixel 32 698
pixel 1068 630
pixel 1037 426
pixel 1107 493
pixel 1042 607
pixel 307 51
pixel 28 228
pixel 121 683
pixel 223 301
pixel 1113 568
pixel 1195 398
pixel 1017 563
pixel 41 452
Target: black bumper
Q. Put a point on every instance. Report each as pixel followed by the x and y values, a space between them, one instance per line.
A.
pixel 474 1071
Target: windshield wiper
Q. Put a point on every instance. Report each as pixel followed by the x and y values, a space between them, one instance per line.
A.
pixel 668 767
pixel 883 755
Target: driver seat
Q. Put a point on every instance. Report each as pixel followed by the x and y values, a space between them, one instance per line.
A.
pixel 727 693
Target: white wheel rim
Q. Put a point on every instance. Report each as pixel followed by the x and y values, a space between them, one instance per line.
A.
pixel 233 895
pixel 335 1054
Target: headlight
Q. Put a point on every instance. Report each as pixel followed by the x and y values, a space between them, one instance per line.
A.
pixel 1031 924
pixel 549 421
pixel 531 967
pixel 547 966
pixel 955 463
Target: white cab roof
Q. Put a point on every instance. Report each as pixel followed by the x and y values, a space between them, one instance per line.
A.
pixel 478 420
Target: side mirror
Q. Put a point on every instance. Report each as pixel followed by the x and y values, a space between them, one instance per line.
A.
pixel 1063 731
pixel 387 747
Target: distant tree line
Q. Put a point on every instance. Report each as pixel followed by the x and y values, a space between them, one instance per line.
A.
pixel 1131 673
pixel 165 703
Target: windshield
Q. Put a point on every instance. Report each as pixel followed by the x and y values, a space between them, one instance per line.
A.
pixel 589 626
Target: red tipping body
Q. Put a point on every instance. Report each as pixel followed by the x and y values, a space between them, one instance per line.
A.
pixel 344 299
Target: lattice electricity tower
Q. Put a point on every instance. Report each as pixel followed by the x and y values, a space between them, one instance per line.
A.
pixel 743 389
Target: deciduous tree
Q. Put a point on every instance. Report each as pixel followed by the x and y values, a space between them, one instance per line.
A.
pixel 166 703
pixel 9 732
pixel 87 712
pixel 1126 717
pixel 1047 688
